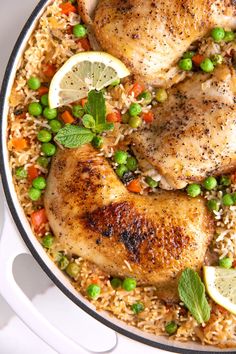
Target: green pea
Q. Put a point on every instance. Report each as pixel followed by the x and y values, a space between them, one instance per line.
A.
pixel 35 109
pixel 34 194
pixel 39 183
pixel 73 270
pixel 193 190
pixel 44 136
pixel 63 262
pixel 210 183
pixel 135 122
pixel 97 142
pixel 58 256
pixel 218 34
pixel 93 291
pixel 207 65
pixel 44 100
pixel 116 82
pixel 120 157
pixel 47 241
pixel 129 284
pixel 78 111
pixel 189 55
pixel 116 283
pixel 171 327
pixel 21 173
pixel 151 182
pixel 48 149
pixel 226 262
pixel 55 125
pixel 186 64
pixel 34 83
pixel 146 97
pixel 135 109
pixel 213 205
pixel 50 113
pixel 43 161
pixel 233 195
pixel 125 118
pixel 121 170
pixel 229 36
pixel 161 95
pixel 79 31
pixel 227 200
pixel 132 163
pixel 217 59
pixel 225 181
pixel 137 307
pixel 72 1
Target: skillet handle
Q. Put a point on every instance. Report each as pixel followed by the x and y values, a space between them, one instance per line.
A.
pixel 10 247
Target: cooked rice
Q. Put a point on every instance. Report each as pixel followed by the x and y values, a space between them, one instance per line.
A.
pixel 50 43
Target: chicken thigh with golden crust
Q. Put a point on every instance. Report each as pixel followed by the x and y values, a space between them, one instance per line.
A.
pixel 152 238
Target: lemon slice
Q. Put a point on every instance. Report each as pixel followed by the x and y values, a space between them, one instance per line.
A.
pixel 221 286
pixel 82 73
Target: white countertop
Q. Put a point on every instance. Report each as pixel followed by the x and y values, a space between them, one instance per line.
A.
pixel 15 337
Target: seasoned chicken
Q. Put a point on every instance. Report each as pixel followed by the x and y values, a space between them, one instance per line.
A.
pixel 150 36
pixel 194 131
pixel 146 237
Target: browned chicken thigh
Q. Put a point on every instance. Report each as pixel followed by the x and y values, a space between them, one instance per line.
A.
pixel 150 36
pixel 194 131
pixel 152 238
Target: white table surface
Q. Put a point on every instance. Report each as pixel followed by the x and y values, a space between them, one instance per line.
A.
pixel 15 337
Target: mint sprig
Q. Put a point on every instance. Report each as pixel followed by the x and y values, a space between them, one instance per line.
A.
pixel 94 122
pixel 96 108
pixel 192 293
pixel 72 136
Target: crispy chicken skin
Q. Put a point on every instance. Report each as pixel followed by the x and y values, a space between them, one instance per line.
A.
pixel 150 36
pixel 194 131
pixel 94 216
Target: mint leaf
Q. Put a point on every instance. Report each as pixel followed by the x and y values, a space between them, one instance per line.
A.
pixel 88 121
pixel 96 106
pixel 103 127
pixel 192 293
pixel 72 136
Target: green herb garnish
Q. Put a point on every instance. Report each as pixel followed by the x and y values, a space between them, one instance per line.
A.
pixel 94 122
pixel 96 108
pixel 192 293
pixel 72 136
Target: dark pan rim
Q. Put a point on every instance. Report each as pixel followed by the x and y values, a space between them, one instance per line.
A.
pixel 24 234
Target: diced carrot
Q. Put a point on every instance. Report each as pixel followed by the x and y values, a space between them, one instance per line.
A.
pixel 148 117
pixel 95 280
pixel 19 143
pixel 50 70
pixel 21 116
pixel 33 173
pixel 84 101
pixel 67 117
pixel 84 42
pixel 134 186
pixel 43 90
pixel 233 177
pixel 39 219
pixel 114 117
pixel 136 89
pixel 197 59
pixel 234 264
pixel 67 8
pixel 221 309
